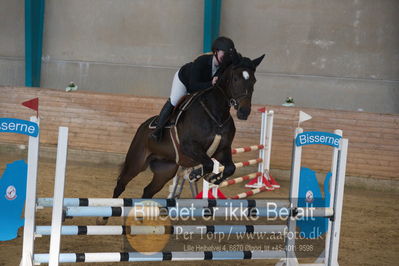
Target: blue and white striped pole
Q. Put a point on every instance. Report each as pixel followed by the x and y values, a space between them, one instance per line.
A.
pixel 188 212
pixel 130 202
pixel 161 256
pixel 163 230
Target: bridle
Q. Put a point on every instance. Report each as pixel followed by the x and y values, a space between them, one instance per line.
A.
pixel 232 101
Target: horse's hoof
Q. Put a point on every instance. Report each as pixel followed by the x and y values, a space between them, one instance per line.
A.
pixel 215 179
pixel 102 220
pixel 196 174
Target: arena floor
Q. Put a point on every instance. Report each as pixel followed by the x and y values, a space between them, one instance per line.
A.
pixel 370 231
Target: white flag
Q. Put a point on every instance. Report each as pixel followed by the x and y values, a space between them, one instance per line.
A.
pixel 303 117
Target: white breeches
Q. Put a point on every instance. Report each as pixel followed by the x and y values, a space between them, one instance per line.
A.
pixel 178 90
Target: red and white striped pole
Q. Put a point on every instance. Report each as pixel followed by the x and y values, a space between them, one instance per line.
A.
pixel 247 149
pixel 250 193
pixel 240 179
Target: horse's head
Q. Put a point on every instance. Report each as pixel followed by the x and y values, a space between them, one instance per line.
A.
pixel 240 81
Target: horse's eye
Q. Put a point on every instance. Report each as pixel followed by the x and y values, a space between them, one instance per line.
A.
pixel 235 79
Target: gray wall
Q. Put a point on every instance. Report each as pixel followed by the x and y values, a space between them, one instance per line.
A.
pixel 335 54
pixel 12 43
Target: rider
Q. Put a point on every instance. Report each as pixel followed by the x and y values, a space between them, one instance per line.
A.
pixel 192 77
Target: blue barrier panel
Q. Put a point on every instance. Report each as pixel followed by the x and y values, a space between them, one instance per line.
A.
pixel 12 199
pixel 310 196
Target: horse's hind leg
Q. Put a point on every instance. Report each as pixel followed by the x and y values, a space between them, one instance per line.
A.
pixel 136 161
pixel 131 168
pixel 163 172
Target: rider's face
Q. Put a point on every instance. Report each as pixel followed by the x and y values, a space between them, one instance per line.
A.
pixel 220 55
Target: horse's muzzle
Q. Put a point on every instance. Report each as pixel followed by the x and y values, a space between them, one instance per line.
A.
pixel 243 112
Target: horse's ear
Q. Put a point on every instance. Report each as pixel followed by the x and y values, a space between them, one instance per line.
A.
pixel 258 60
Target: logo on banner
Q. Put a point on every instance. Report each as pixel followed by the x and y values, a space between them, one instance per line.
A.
pixel 315 137
pixel 11 193
pixel 309 196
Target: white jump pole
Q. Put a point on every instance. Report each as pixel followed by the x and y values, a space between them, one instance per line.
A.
pixel 266 141
pixel 294 192
pixel 205 189
pixel 262 141
pixel 206 186
pixel 334 166
pixel 58 201
pixel 30 200
pixel 173 187
pixel 337 205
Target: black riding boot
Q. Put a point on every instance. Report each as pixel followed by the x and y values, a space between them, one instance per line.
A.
pixel 162 120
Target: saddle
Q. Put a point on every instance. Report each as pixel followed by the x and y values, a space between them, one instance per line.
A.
pixel 183 105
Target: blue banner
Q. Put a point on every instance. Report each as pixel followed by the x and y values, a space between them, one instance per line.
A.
pixel 316 137
pixel 19 126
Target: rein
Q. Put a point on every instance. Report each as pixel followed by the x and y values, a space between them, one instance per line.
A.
pixel 209 113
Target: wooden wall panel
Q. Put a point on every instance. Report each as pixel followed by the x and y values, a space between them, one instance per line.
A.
pixel 107 123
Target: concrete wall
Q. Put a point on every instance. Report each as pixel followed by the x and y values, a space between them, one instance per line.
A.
pixel 12 42
pixel 334 54
pixel 331 54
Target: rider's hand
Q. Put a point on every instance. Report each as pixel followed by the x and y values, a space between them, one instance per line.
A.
pixel 214 80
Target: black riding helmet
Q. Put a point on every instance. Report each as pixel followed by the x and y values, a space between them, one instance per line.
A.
pixel 226 45
pixel 222 43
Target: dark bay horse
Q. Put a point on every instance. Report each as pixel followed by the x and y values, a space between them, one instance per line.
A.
pixel 208 115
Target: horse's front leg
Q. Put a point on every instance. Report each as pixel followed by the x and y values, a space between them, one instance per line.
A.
pixel 225 158
pixel 196 152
